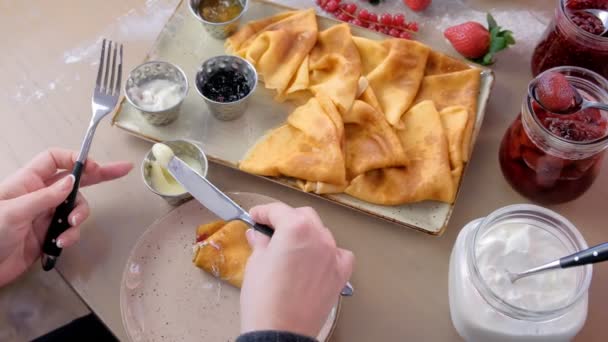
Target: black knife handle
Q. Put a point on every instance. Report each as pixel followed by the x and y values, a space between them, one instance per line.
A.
pixel 60 223
pixel 264 229
pixel 588 256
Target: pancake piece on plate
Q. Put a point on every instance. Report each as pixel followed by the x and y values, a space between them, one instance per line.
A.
pixel 224 254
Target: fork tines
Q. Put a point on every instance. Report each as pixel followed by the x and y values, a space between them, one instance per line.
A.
pixel 107 67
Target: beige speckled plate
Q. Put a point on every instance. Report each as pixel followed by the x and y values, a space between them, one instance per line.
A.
pixel 164 297
pixel 184 42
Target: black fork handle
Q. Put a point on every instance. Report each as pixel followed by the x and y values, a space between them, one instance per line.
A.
pixel 60 223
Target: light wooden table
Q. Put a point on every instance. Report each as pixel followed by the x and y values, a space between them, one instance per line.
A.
pixel 47 67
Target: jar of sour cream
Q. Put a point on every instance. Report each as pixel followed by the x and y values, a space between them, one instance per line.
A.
pixel 486 306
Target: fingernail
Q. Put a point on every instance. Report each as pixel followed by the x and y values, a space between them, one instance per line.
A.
pixel 74 221
pixel 68 182
pixel 59 243
pixel 250 233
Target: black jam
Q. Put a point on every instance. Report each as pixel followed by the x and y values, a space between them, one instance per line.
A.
pixel 225 86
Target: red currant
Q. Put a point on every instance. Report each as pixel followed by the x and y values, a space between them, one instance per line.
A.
pixel 398 20
pixel 350 8
pixel 405 35
pixel 332 6
pixel 364 24
pixel 394 32
pixel 363 14
pixel 386 19
pixel 343 16
pixel 357 22
pixel 373 17
pixel 414 26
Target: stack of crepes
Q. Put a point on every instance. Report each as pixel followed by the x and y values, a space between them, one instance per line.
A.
pixel 388 122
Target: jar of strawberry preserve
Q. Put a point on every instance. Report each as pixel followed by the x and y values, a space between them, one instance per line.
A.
pixel 554 158
pixel 573 37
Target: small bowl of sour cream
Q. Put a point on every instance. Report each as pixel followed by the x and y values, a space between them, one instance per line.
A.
pixel 157 89
pixel 161 182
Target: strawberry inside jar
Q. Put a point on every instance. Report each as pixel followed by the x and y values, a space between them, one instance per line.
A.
pixel 551 157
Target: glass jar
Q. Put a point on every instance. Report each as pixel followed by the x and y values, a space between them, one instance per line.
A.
pixel 482 311
pixel 566 43
pixel 550 168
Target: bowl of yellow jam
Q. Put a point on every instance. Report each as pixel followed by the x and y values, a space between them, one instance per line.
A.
pixel 161 182
pixel 219 17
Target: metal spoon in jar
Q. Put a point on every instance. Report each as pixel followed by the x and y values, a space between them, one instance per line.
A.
pixel 591 255
pixel 602 15
pixel 579 103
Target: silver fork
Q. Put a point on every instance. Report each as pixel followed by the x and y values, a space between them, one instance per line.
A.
pixel 104 100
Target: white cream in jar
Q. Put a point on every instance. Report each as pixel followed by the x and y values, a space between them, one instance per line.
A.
pixel 157 95
pixel 160 178
pixel 486 306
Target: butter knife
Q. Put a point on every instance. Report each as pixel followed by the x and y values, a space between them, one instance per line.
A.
pixel 217 202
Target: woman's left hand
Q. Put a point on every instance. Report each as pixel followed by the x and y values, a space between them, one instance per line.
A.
pixel 28 200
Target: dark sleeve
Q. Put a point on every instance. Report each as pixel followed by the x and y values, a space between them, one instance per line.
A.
pixel 273 336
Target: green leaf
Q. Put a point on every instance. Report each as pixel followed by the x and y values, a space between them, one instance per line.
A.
pixel 497 44
pixel 509 39
pixel 491 22
pixel 488 59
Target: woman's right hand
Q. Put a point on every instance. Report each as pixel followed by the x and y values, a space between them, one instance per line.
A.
pixel 294 279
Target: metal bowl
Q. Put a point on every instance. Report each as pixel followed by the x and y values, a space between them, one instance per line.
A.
pixel 227 110
pixel 218 30
pixel 157 70
pixel 180 148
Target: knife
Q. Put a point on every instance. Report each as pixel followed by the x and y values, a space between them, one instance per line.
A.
pixel 217 202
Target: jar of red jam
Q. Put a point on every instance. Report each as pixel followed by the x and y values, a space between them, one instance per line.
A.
pixel 554 158
pixel 573 38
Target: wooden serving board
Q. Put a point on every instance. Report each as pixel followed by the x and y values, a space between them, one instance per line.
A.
pixel 185 42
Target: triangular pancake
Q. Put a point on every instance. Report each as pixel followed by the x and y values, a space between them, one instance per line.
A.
pixel 427 176
pixel 370 141
pixel 394 69
pixel 225 253
pixel 439 63
pixel 454 120
pixel 335 66
pixel 308 147
pixel 276 46
pixel 457 88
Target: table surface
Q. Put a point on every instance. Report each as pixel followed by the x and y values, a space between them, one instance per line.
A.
pixel 48 64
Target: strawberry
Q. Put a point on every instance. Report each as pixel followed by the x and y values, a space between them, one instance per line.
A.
pixel 417 5
pixel 470 39
pixel 474 41
pixel 555 93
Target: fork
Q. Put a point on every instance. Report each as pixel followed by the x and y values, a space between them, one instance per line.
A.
pixel 104 100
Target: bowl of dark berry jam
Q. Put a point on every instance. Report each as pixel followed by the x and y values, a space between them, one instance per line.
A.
pixel 574 37
pixel 554 158
pixel 226 83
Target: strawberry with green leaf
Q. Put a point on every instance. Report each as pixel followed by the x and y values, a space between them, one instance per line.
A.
pixel 479 44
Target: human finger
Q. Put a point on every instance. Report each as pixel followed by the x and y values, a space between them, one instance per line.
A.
pixel 47 163
pixel 256 240
pixel 30 205
pixel 95 173
pixel 68 237
pixel 80 212
pixel 346 263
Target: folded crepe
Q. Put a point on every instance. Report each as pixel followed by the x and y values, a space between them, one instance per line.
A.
pixel 454 120
pixel 308 147
pixel 224 254
pixel 456 88
pixel 277 46
pixel 428 174
pixel 394 69
pixel 370 142
pixel 439 63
